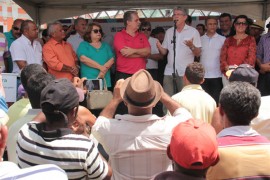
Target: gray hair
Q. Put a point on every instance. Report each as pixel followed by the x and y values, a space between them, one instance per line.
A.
pixel 128 16
pixel 51 27
pixel 178 8
pixel 76 21
pixel 25 25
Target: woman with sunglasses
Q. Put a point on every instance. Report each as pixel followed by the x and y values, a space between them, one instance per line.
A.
pixel 238 49
pixel 96 57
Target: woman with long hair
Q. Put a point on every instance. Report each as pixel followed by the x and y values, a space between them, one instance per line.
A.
pixel 239 48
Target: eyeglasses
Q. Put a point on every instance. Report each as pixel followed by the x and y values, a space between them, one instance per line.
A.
pixel 16 28
pixel 97 30
pixel 146 29
pixel 241 23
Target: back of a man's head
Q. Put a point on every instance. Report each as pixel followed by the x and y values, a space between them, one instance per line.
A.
pixel 240 101
pixel 193 147
pixel 30 70
pixel 195 73
pixel 36 84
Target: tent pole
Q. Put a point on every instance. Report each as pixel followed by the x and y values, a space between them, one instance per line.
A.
pixel 37 16
pixel 264 11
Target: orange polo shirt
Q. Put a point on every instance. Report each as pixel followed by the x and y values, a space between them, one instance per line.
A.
pixel 57 54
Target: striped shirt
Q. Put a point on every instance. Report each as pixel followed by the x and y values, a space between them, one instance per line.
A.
pixel 75 154
pixel 10 170
pixel 243 153
pixel 263 49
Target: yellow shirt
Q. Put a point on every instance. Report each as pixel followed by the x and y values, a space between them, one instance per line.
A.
pixel 18 110
pixel 200 104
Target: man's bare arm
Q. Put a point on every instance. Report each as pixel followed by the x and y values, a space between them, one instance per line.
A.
pixel 169 103
pixel 131 52
pixel 21 63
pixel 162 50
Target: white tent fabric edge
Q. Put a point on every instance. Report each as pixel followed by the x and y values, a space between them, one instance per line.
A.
pixel 43 11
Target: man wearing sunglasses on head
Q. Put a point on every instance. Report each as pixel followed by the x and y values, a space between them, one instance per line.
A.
pixel 11 36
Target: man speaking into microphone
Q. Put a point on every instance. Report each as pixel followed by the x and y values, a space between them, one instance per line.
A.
pixel 188 45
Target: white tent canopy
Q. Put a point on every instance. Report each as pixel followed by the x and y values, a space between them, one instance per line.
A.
pixel 43 11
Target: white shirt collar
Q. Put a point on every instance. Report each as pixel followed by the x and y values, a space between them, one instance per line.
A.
pixel 214 36
pixel 192 86
pixel 24 38
pixel 78 35
pixel 238 131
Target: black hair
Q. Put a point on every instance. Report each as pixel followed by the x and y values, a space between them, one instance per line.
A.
pixel 202 25
pixel 30 70
pixel 241 17
pixel 36 84
pixel 240 101
pixel 225 15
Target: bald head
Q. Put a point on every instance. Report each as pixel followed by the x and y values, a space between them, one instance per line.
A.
pixel 16 28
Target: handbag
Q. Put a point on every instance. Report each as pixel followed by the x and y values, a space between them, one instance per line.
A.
pixel 98 99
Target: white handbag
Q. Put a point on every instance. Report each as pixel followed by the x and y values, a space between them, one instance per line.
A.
pixel 98 99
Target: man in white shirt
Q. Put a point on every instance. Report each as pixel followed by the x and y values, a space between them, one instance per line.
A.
pixel 188 45
pixel 152 61
pixel 212 43
pixel 80 25
pixel 26 49
pixel 155 56
pixel 137 142
pixel 192 97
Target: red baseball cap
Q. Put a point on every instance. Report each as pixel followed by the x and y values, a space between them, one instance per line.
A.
pixel 194 145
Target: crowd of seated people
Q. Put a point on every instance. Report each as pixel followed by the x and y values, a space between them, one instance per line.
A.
pixel 213 124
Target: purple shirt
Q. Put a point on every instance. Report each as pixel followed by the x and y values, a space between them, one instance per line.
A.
pixel 263 49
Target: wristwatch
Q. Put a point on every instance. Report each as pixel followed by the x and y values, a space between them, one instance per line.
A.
pixel 192 48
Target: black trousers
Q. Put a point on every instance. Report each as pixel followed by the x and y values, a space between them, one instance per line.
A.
pixel 264 84
pixel 154 73
pixel 122 108
pixel 213 86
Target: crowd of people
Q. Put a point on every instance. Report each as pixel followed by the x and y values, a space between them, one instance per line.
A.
pixel 188 103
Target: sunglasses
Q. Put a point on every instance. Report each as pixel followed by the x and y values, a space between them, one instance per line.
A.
pixel 241 23
pixel 146 29
pixel 97 30
pixel 16 28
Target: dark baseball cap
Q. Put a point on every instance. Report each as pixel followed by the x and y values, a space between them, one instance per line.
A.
pixel 59 95
pixel 244 73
